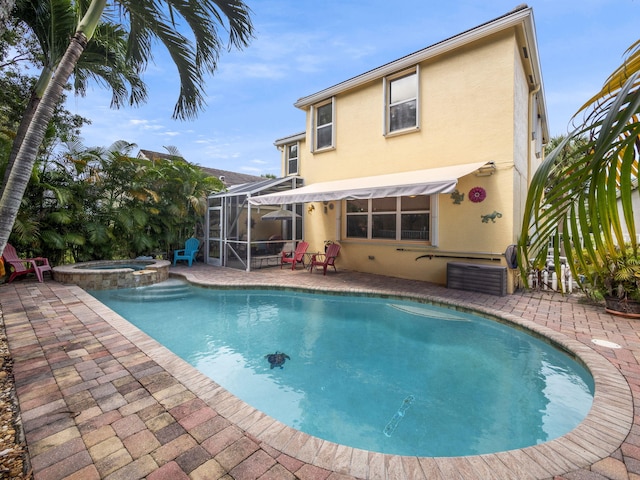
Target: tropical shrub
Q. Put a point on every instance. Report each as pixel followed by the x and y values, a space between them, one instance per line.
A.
pixel 615 275
pixel 96 204
pixel 583 201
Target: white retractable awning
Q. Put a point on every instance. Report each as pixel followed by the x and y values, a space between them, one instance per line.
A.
pixel 416 182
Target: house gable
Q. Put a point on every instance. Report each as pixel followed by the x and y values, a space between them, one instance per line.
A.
pixel 519 21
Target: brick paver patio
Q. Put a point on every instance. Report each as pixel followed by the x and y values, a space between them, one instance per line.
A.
pixel 100 399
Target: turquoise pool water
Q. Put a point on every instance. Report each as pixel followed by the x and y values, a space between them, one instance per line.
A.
pixel 378 374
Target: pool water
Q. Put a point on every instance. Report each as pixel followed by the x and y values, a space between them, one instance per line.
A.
pixel 384 375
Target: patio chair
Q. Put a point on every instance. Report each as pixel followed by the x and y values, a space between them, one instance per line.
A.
pixel 294 257
pixel 189 252
pixel 326 259
pixel 24 266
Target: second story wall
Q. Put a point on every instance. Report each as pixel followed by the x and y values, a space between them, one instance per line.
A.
pixel 465 114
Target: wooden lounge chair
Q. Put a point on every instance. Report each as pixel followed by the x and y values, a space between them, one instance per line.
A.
pixel 189 252
pixel 294 257
pixel 24 266
pixel 326 259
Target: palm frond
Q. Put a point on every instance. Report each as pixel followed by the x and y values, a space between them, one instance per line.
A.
pixel 588 192
pixel 194 59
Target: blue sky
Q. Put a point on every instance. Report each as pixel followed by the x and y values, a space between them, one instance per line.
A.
pixel 302 47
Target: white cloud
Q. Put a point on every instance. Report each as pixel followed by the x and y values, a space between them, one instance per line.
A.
pixel 238 71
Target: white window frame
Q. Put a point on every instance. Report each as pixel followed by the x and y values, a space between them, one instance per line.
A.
pixel 432 211
pixel 288 158
pixel 314 126
pixel 386 83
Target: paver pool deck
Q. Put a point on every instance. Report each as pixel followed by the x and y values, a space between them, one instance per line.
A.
pixel 100 399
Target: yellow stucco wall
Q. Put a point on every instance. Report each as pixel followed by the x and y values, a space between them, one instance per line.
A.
pixel 474 106
pixel 466 115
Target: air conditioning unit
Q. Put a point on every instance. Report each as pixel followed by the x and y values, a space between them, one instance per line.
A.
pixel 477 277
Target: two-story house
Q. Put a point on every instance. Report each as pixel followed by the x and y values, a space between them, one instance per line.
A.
pixel 425 160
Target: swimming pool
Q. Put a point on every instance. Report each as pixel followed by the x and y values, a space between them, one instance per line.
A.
pixel 391 385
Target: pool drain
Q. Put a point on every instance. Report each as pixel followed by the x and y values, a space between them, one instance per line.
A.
pixel 399 415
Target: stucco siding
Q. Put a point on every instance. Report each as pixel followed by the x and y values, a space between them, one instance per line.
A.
pixel 474 106
pixel 466 115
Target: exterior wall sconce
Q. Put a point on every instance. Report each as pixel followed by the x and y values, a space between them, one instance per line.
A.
pixel 327 205
pixel 311 208
pixel 486 170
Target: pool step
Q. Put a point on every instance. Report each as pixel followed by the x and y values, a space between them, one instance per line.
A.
pixel 167 290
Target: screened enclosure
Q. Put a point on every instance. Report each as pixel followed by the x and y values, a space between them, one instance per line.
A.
pixel 244 236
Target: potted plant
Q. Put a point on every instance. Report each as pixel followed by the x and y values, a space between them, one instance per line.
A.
pixel 327 243
pixel 615 280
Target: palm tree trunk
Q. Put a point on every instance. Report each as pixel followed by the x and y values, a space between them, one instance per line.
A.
pixel 21 171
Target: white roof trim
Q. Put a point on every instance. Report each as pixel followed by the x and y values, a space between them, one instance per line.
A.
pixel 290 139
pixel 417 182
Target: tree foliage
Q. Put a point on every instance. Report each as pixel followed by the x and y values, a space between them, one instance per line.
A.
pixel 96 203
pixel 147 23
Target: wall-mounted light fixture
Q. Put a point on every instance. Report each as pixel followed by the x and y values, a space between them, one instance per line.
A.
pixel 486 170
pixel 311 208
pixel 327 206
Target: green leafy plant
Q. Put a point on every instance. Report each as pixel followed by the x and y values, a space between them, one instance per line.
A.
pixel 581 201
pixel 615 275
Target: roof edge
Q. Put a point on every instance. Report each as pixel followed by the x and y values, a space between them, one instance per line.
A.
pixel 290 138
pixel 516 17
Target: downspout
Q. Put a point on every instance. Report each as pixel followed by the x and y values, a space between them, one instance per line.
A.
pixel 531 129
pixel 294 220
pixel 338 235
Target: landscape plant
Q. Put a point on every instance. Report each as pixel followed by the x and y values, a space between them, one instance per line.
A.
pixel 103 203
pixel 48 26
pixel 584 201
pixel 195 55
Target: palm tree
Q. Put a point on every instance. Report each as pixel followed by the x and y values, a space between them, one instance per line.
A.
pixel 147 22
pixel 588 189
pixel 52 23
pixel 183 203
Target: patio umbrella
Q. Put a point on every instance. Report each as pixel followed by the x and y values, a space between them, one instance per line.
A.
pixel 280 214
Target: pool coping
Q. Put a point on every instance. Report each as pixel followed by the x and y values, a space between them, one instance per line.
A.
pixel 598 436
pixel 82 274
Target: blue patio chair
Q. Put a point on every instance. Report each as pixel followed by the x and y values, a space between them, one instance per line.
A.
pixel 189 251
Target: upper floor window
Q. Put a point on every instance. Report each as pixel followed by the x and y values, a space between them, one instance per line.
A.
pixel 391 218
pixel 292 159
pixel 323 125
pixel 401 101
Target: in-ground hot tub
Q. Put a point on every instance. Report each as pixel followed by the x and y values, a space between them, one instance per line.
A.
pixel 110 274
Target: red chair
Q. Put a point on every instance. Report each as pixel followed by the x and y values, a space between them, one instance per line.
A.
pixel 23 266
pixel 295 257
pixel 326 259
